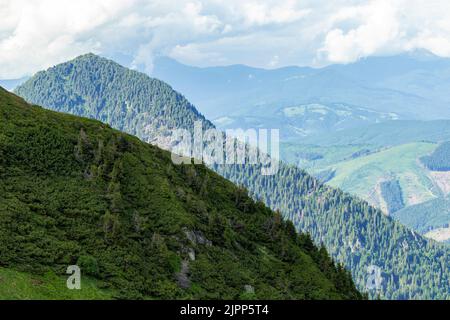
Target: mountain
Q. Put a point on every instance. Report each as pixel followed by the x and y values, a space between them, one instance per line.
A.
pixel 145 107
pixel 11 84
pixel 432 217
pixel 363 169
pixel 217 91
pixel 354 233
pixel 412 85
pixel 75 191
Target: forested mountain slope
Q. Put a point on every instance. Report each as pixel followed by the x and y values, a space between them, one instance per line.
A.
pixel 353 232
pixel 75 191
pixel 127 100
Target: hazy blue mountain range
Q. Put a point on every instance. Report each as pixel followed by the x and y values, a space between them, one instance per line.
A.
pixel 11 84
pixel 354 232
pixel 413 86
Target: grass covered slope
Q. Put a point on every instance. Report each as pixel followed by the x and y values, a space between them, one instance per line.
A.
pixel 363 175
pixel 74 191
pixel 394 178
pixel 16 285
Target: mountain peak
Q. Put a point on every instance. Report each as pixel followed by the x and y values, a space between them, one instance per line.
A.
pixel 98 87
pixel 92 57
pixel 422 54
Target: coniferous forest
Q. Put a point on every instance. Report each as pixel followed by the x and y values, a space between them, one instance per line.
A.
pixel 439 160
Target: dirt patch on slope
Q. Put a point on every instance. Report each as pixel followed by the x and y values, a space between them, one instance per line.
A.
pixel 440 234
pixel 442 180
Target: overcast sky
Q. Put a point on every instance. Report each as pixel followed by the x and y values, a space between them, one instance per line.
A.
pixel 36 34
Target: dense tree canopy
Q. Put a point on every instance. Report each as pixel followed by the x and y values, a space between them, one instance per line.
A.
pixel 439 160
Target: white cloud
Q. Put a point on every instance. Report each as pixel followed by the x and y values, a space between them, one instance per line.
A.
pixel 261 13
pixel 388 26
pixel 38 34
pixel 377 27
pixel 35 34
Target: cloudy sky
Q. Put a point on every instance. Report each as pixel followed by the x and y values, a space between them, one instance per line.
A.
pixel 36 34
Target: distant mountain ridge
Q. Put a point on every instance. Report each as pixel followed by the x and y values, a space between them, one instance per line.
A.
pixel 355 233
pixel 413 84
pixel 11 84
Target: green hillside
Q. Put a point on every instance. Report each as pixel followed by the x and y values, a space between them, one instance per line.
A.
pixel 354 233
pixel 74 191
pixel 300 154
pixel 49 286
pixel 392 178
pixel 362 176
pixel 364 169
pixel 303 120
